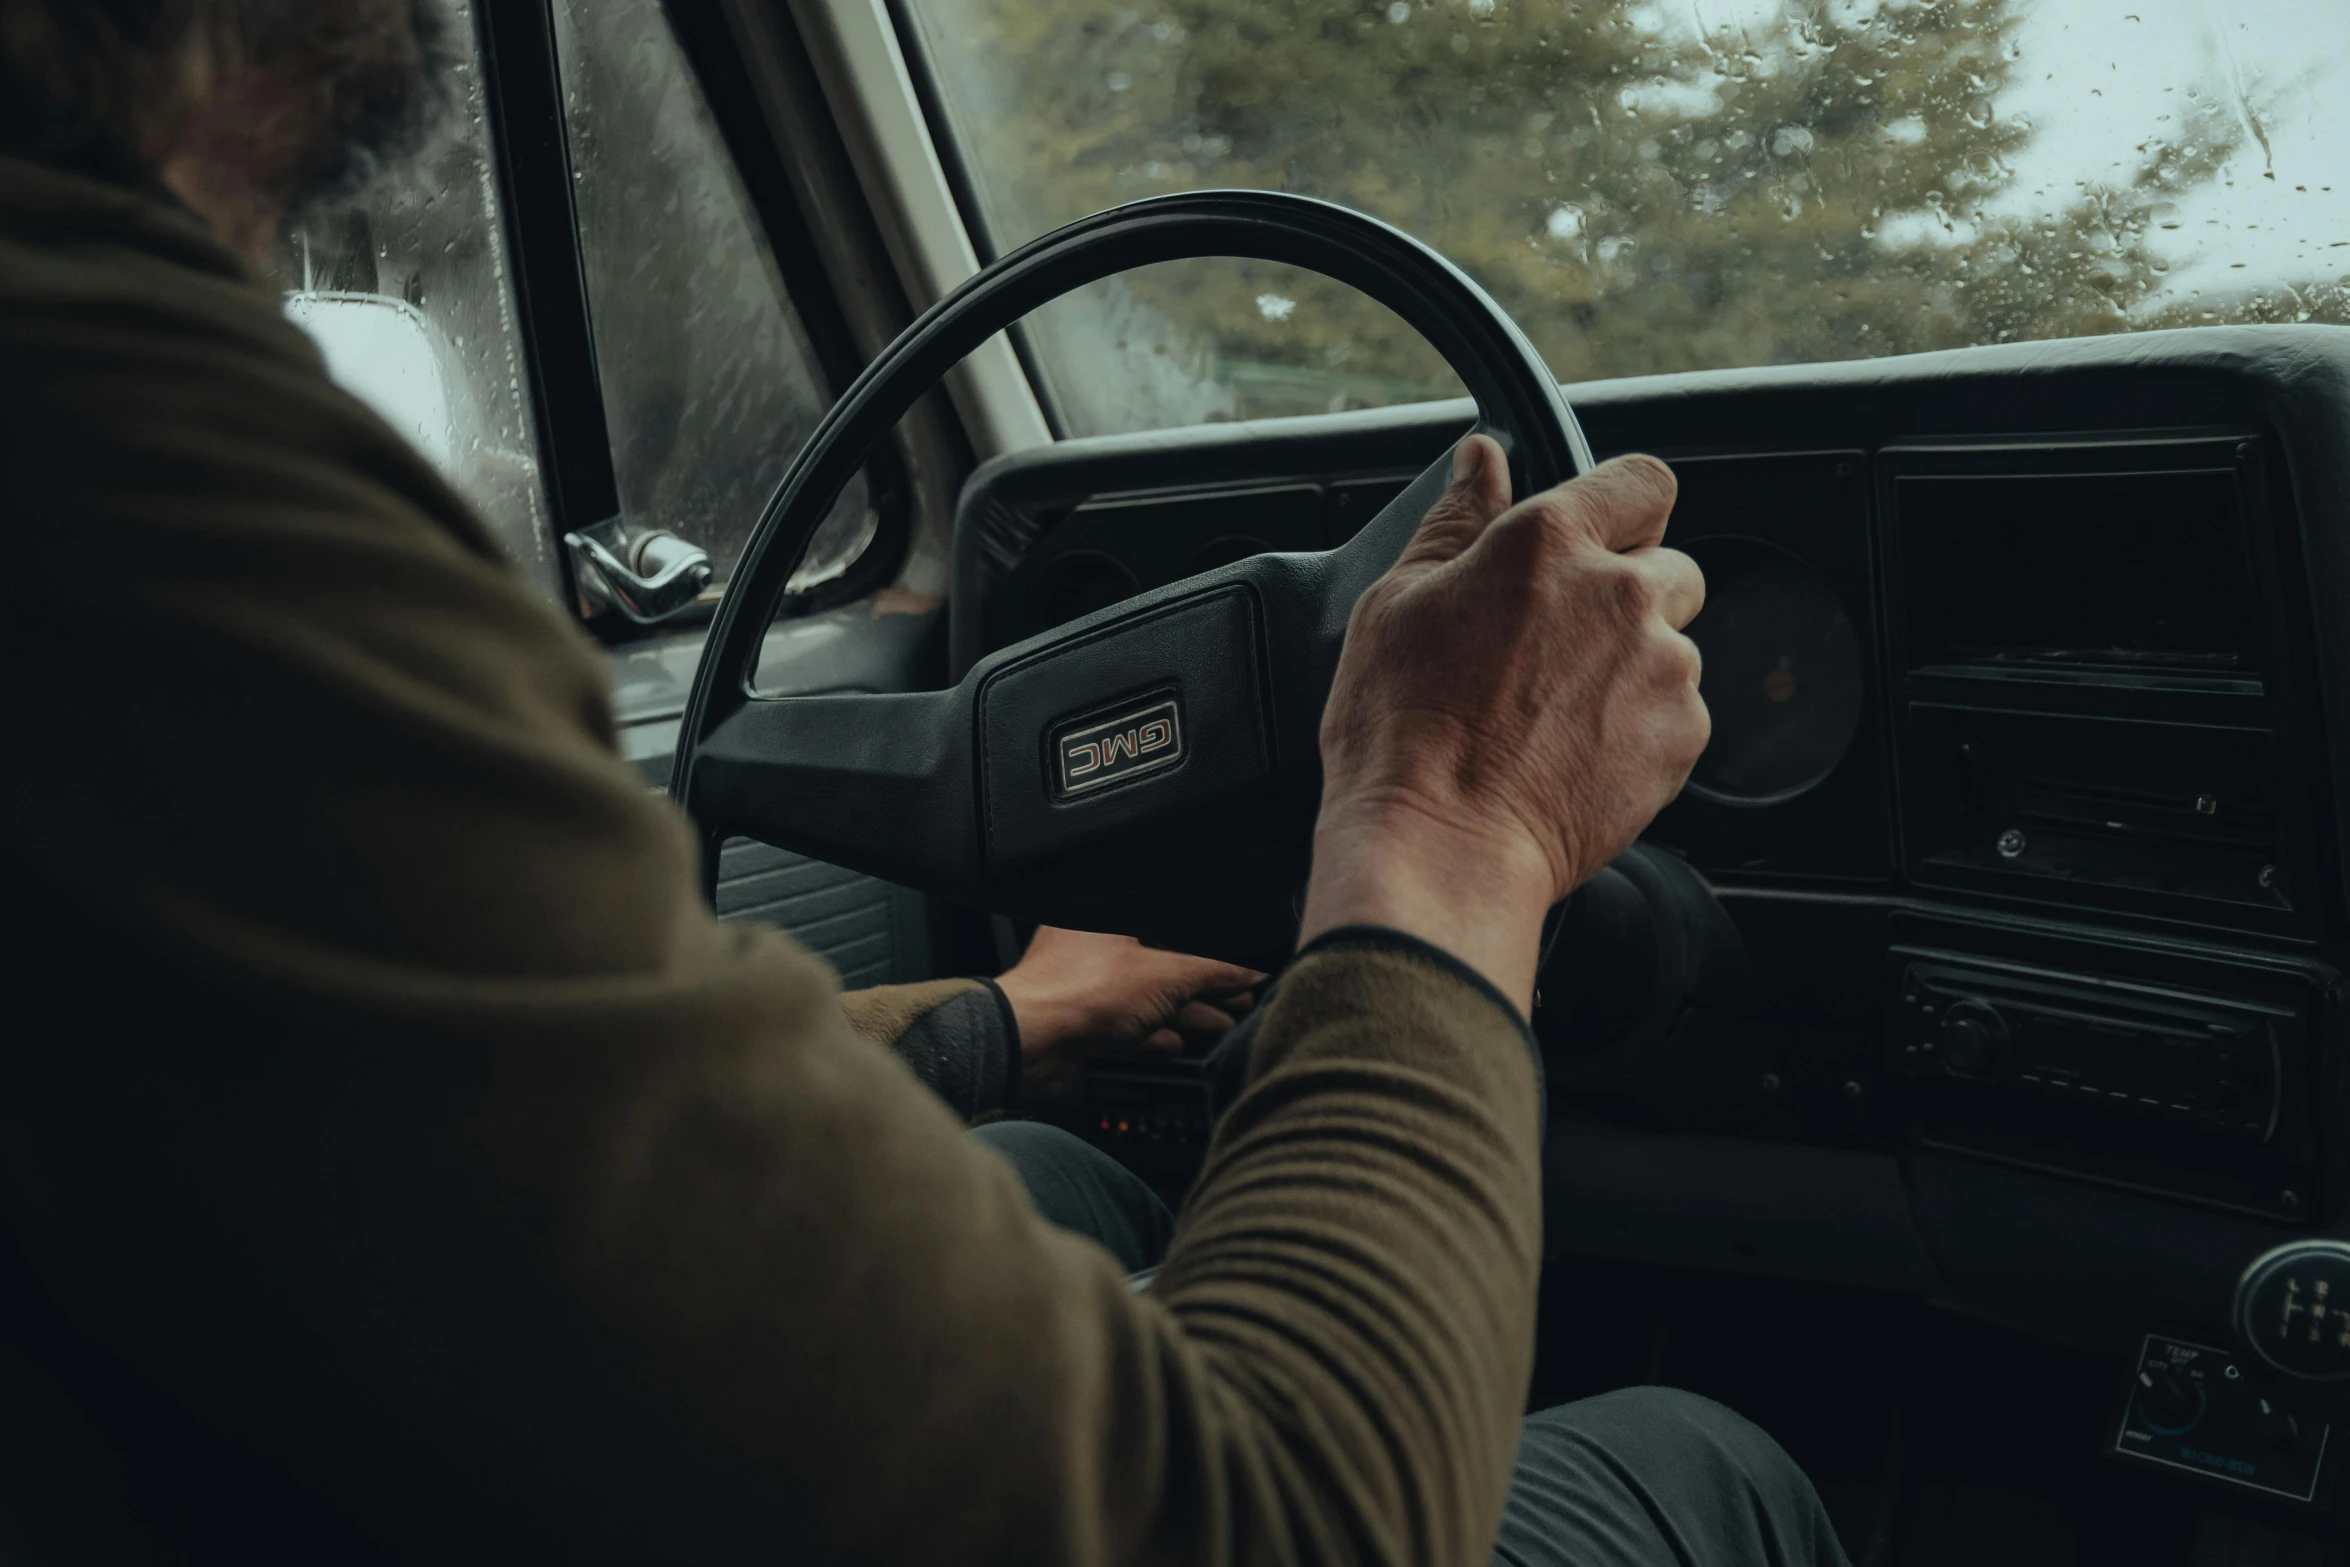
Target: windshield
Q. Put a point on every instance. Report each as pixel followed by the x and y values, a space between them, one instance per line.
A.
pixel 1659 186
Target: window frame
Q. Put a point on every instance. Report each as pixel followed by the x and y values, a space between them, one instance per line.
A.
pixel 530 143
pixel 865 96
pixel 931 102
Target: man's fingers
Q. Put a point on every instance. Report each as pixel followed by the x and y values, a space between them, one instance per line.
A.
pixel 1678 584
pixel 1480 492
pixel 1200 1018
pixel 1207 977
pixel 1624 503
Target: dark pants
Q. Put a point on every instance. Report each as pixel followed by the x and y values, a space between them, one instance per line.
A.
pixel 1642 1477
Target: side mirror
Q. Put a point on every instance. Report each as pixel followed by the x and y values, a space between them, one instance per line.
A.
pixel 389 355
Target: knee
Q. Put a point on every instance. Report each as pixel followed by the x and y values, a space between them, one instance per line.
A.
pixel 1656 1474
pixel 1053 1164
pixel 1018 1140
pixel 1657 1416
pixel 1078 1187
pixel 1663 1432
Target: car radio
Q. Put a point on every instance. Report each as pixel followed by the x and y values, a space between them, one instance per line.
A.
pixel 2196 1094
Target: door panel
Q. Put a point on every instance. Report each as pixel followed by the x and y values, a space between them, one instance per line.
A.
pixel 872 932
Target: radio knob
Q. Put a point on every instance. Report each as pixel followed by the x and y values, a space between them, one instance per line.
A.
pixel 1973 1040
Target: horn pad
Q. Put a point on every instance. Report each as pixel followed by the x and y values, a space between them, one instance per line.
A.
pixel 1147 738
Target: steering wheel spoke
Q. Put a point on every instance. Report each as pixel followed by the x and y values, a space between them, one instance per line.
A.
pixel 881 782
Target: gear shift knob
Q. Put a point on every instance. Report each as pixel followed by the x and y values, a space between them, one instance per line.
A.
pixel 2293 1310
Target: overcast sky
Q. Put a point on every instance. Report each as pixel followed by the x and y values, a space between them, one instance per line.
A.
pixel 2096 78
pixel 2097 75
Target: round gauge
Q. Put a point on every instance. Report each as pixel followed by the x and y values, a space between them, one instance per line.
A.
pixel 1076 584
pixel 1783 674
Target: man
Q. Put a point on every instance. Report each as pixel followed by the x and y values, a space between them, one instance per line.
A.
pixel 405 1162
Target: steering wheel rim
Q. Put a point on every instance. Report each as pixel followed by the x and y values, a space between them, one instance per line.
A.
pixel 861 781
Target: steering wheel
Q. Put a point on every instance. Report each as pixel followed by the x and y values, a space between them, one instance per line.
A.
pixel 1153 768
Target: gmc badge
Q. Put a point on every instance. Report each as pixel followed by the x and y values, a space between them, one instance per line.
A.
pixel 1105 751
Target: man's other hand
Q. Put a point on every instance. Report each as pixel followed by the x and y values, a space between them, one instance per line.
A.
pixel 1077 995
pixel 1515 702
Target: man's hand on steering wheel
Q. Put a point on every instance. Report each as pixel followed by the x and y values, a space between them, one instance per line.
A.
pixel 1466 792
pixel 1077 995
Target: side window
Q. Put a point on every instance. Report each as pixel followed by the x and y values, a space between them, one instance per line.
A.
pixel 407 294
pixel 710 382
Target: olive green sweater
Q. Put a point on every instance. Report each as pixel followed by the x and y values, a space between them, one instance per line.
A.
pixel 383 1092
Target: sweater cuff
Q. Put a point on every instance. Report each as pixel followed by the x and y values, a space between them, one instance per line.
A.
pixel 1382 938
pixel 1228 1065
pixel 957 1035
pixel 1011 1026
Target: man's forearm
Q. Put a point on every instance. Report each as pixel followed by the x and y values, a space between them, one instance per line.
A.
pixel 1359 1261
pixel 694 1271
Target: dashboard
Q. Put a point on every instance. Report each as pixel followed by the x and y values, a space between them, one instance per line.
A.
pixel 2026 665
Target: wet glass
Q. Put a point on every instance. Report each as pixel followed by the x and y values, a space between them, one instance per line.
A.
pixel 406 291
pixel 1657 187
pixel 710 383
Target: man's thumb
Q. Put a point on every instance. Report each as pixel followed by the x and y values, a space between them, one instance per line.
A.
pixel 1479 492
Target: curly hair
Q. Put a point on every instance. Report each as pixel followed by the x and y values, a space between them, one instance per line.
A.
pixel 72 70
pixel 124 72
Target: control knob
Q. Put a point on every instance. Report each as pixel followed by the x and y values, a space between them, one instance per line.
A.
pixel 1972 1041
pixel 2275 1427
pixel 2171 1404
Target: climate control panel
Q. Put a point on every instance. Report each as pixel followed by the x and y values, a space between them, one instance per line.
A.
pixel 2192 1408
